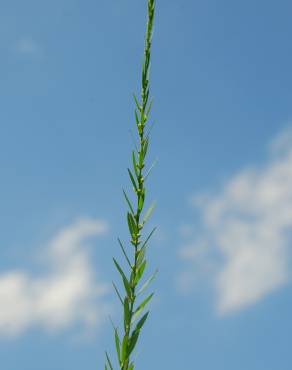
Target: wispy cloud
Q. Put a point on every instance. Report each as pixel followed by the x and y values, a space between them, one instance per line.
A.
pixel 27 46
pixel 67 292
pixel 247 225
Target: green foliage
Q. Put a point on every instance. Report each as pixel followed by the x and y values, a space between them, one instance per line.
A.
pixel 133 317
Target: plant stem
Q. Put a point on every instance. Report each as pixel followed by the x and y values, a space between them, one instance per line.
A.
pixel 131 310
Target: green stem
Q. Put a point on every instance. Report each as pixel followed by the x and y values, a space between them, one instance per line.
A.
pixel 130 336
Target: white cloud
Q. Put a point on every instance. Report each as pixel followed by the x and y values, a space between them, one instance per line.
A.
pixel 248 225
pixel 27 46
pixel 66 294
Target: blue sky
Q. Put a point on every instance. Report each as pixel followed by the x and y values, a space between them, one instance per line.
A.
pixel 221 81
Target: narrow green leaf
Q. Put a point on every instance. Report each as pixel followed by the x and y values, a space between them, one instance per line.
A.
pixel 141 255
pixel 132 180
pixel 137 118
pixel 132 224
pixel 133 340
pixel 141 322
pixel 140 271
pixel 145 147
pixel 147 92
pixel 147 282
pixel 111 321
pixel 127 318
pixel 124 253
pixel 118 294
pixel 143 74
pixel 142 305
pixel 109 361
pixel 144 302
pixel 148 213
pixel 125 281
pixel 141 202
pixel 117 341
pixel 124 348
pixel 128 202
pixel 150 130
pixel 137 103
pixel 135 164
pixel 132 277
pixel 150 169
pixel 131 367
pixel 141 158
pixel 149 107
pixel 149 236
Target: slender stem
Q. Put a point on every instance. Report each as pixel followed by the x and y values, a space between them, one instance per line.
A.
pixel 126 345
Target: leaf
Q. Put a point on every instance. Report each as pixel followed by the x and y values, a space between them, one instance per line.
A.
pixel 125 281
pixel 147 92
pixel 150 130
pixel 109 361
pixel 141 255
pixel 142 305
pixel 127 318
pixel 148 213
pixel 145 147
pixel 132 224
pixel 149 236
pixel 142 321
pixel 140 202
pixel 124 348
pixel 128 202
pixel 117 341
pixel 132 277
pixel 137 118
pixel 118 294
pixel 143 74
pixel 144 302
pixel 147 60
pixel 135 164
pixel 141 158
pixel 140 271
pixel 147 282
pixel 124 253
pixel 150 169
pixel 149 107
pixel 132 180
pixel 133 340
pixel 131 367
pixel 137 103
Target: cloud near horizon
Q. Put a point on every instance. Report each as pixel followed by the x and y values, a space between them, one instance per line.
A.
pixel 247 226
pixel 67 293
